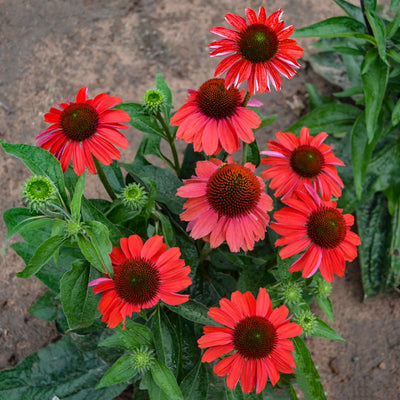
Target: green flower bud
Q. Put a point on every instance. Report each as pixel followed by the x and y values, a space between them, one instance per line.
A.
pixel 307 320
pixel 143 359
pixel 154 100
pixel 73 228
pixel 291 293
pixel 134 196
pixel 323 288
pixel 38 192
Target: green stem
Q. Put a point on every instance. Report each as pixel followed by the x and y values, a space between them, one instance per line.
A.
pixel 171 141
pixel 244 153
pixel 104 179
pixel 246 99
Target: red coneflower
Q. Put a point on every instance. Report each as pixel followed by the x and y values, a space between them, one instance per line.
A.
pixel 295 162
pixel 259 50
pixel 226 202
pixel 144 274
pixel 213 118
pixel 84 129
pixel 255 339
pixel 317 226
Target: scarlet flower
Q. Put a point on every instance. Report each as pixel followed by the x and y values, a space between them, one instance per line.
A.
pixel 213 118
pixel 317 226
pixel 226 202
pixel 84 129
pixel 144 274
pixel 259 50
pixel 295 162
pixel 255 339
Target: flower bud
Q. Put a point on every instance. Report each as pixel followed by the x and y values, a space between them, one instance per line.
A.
pixel 307 320
pixel 143 359
pixel 322 288
pixel 134 196
pixel 154 100
pixel 291 293
pixel 38 192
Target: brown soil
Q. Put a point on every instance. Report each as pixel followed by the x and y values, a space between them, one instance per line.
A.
pixel 49 49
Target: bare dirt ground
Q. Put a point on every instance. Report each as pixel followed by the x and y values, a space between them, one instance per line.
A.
pixel 51 48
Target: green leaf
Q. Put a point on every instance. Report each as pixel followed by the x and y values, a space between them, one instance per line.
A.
pixel 167 184
pixel 307 376
pixel 162 85
pixel 77 198
pixel 91 213
pixel 154 392
pixel 374 75
pixel 322 329
pixel 265 121
pixel 19 218
pixel 253 153
pixel 396 114
pixel 46 307
pixel 315 99
pixel 394 4
pixel 166 228
pixel 379 30
pixel 100 240
pixel 195 384
pixel 374 227
pixel 393 27
pixel 394 251
pixel 193 311
pixel 361 152
pixel 134 335
pixel 190 160
pixel 351 10
pixel 139 119
pixel 42 254
pixel 114 176
pixel 40 162
pixel 166 381
pixel 121 371
pixel 333 118
pixel 78 301
pixel 62 369
pixel 326 306
pixel 332 27
pixel 165 340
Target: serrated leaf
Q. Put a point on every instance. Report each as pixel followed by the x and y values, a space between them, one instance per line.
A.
pixel 77 198
pixel 61 369
pixel 166 381
pixel 322 329
pixel 374 76
pixel 78 301
pixel 165 340
pixel 134 335
pixel 332 27
pixel 335 119
pixel 40 162
pixel 121 371
pixel 265 121
pixel 195 385
pixel 42 254
pixel 307 376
